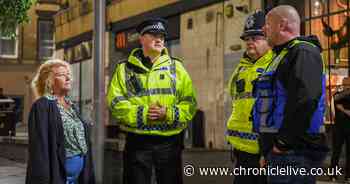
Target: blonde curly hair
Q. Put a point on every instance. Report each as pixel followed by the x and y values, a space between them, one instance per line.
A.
pixel 42 81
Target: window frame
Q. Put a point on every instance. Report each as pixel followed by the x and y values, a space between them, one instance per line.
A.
pixel 40 18
pixel 49 1
pixel 16 39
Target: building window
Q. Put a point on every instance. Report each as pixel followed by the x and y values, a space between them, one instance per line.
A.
pixel 330 21
pixel 46 39
pixel 8 46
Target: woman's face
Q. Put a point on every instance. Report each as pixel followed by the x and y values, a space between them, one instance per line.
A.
pixel 62 80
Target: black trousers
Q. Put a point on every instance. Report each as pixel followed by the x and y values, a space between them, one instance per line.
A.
pixel 247 160
pixel 339 138
pixel 143 153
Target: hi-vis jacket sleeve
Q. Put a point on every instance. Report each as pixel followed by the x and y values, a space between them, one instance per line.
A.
pixel 186 103
pixel 122 109
pixel 231 87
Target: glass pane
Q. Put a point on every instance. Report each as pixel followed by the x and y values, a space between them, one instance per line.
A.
pixel 7 47
pixel 318 7
pixel 174 48
pixel 87 89
pixel 307 8
pixel 46 30
pixel 338 57
pixel 307 28
pixel 318 30
pixel 46 42
pixel 338 27
pixel 45 52
pixel 13 29
pixel 76 82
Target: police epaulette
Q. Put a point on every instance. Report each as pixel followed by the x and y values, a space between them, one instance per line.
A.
pixel 177 59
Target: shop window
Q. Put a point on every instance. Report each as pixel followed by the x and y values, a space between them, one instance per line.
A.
pixel 174 48
pixel 8 46
pixel 82 87
pixel 75 92
pixel 86 102
pixel 316 27
pixel 46 39
pixel 338 57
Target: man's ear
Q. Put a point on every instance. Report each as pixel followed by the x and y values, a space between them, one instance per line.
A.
pixel 141 39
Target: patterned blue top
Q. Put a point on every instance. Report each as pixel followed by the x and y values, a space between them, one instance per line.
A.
pixel 73 128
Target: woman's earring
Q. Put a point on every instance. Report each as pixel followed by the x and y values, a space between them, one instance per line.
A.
pixel 49 89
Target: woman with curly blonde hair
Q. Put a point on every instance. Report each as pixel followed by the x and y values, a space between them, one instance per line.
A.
pixel 59 145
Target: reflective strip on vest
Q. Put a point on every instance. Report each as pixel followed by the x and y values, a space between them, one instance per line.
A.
pixel 173 76
pixel 139 116
pixel 155 91
pixel 188 99
pixel 117 99
pixel 163 126
pixel 265 129
pixel 243 135
pixel 244 95
pixel 145 92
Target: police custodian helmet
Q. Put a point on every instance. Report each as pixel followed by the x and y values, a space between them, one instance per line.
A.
pixel 254 24
pixel 153 25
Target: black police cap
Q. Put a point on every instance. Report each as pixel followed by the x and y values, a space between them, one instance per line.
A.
pixel 153 25
pixel 254 25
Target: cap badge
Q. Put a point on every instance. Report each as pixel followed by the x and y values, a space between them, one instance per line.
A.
pixel 250 22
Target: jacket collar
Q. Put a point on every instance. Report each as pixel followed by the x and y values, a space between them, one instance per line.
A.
pixel 137 56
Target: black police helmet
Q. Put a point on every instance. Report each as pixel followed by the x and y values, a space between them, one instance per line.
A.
pixel 254 25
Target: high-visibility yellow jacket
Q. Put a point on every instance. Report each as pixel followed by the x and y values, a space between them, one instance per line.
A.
pixel 134 87
pixel 239 126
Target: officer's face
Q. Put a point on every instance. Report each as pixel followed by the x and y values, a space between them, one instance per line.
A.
pixel 271 29
pixel 152 42
pixel 256 46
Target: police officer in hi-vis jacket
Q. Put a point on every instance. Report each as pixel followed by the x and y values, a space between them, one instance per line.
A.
pixel 152 98
pixel 239 127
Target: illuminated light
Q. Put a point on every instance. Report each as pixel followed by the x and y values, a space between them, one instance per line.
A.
pixel 317 3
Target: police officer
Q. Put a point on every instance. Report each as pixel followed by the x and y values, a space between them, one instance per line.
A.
pixel 152 97
pixel 239 127
pixel 290 98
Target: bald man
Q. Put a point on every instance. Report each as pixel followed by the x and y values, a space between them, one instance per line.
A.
pixel 290 96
